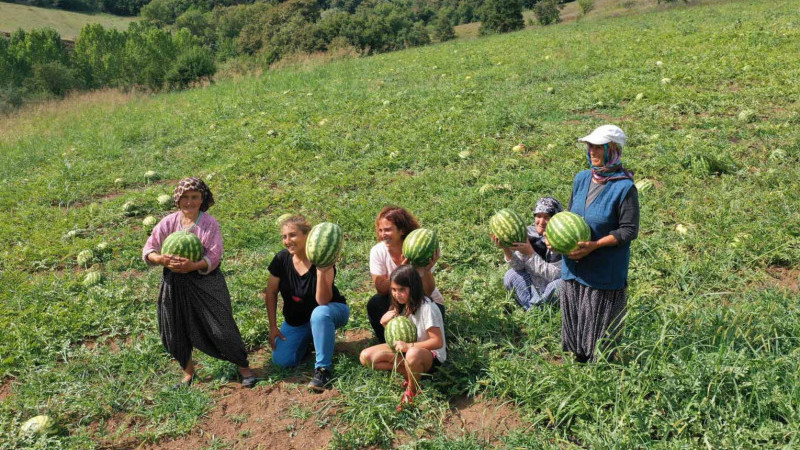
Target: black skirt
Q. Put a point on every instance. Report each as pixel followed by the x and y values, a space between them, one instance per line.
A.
pixel 590 316
pixel 194 311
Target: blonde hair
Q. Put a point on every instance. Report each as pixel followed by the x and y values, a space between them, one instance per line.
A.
pixel 300 222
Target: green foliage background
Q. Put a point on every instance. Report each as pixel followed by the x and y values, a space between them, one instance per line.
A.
pixel 710 354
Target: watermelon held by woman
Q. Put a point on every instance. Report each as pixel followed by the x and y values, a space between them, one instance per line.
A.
pixel 508 226
pixel 323 244
pixel 565 230
pixel 184 244
pixel 400 329
pixel 419 246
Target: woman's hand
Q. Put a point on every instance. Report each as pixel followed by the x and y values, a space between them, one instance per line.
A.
pixel 583 250
pixel 275 332
pixel 523 247
pixel 433 260
pixel 401 346
pixel 180 265
pixel 496 241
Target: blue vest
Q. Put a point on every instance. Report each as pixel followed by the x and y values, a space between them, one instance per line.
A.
pixel 607 267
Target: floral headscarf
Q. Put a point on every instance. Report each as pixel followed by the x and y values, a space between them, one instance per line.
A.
pixel 612 168
pixel 193 184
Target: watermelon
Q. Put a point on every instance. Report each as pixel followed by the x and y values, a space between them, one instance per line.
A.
pixel 39 425
pixel 149 222
pixel 565 230
pixel 165 200
pixel 85 258
pixel 102 248
pixel 184 244
pixel 92 277
pixel 508 227
pixel 150 175
pixel 283 218
pixel 419 246
pixel 130 209
pixel 324 244
pixel 400 329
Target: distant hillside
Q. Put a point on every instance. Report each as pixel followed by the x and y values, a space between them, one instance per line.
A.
pixel 67 23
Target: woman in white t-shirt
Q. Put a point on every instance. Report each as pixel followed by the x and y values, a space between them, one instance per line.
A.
pixel 423 356
pixel 391 227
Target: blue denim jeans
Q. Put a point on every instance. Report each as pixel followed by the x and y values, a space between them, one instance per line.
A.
pixel 321 328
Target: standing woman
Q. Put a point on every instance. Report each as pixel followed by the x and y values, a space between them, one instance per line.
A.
pixel 313 308
pixel 391 227
pixel 594 298
pixel 194 305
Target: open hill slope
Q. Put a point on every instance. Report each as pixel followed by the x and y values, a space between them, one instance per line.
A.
pixel 711 353
pixel 67 23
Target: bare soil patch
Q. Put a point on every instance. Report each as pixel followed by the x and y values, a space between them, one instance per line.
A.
pixel 785 278
pixel 286 416
pixel 5 389
pixel 487 419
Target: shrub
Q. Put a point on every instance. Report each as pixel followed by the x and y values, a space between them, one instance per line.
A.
pixel 443 29
pixel 585 6
pixel 192 65
pixel 52 77
pixel 547 12
pixel 502 16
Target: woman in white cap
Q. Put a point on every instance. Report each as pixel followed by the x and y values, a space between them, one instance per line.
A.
pixel 535 273
pixel 595 275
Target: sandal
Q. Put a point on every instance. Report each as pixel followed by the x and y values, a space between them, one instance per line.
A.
pixel 408 397
pixel 183 384
pixel 249 382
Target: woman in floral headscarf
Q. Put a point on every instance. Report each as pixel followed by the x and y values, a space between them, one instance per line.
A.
pixel 535 273
pixel 194 305
pixel 594 294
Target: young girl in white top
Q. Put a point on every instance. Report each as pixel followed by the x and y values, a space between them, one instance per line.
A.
pixel 419 357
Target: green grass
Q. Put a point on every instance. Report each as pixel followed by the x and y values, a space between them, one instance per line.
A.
pixel 710 355
pixel 67 23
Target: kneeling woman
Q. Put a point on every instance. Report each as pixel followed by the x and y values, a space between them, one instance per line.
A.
pixel 194 305
pixel 312 306
pixel 422 356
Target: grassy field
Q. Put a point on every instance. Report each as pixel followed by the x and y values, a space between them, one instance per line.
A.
pixel 710 357
pixel 67 23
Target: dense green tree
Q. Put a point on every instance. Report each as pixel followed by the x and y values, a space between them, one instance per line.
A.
pixel 99 54
pixel 442 28
pixel 502 16
pixel 547 12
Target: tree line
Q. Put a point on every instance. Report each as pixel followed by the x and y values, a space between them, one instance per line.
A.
pixel 179 42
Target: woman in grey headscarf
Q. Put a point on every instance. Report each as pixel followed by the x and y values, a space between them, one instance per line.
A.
pixel 535 274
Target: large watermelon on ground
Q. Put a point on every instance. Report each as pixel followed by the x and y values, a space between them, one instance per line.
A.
pixel 565 230
pixel 400 329
pixel 39 425
pixel 184 244
pixel 508 227
pixel 324 244
pixel 419 246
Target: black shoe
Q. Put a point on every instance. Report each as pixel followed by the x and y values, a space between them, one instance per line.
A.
pixel 319 382
pixel 249 382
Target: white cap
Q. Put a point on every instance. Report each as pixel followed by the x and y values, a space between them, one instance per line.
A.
pixel 604 134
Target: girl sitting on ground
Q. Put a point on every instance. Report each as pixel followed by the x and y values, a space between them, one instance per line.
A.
pixel 419 357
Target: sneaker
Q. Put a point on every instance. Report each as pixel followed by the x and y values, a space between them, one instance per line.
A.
pixel 249 382
pixel 322 377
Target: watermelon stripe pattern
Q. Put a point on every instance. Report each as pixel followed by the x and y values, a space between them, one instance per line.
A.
pixel 400 329
pixel 508 227
pixel 324 244
pixel 184 244
pixel 565 230
pixel 419 246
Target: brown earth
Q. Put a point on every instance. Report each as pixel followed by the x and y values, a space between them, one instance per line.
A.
pixel 5 389
pixel 785 278
pixel 288 415
pixel 487 419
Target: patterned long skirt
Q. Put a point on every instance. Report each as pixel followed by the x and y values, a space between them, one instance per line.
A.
pixel 194 311
pixel 590 316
